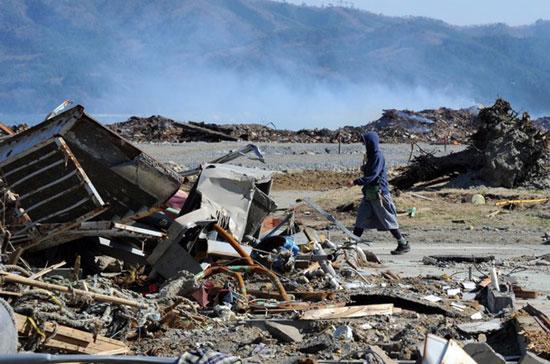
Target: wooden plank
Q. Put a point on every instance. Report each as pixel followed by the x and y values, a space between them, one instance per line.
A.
pixel 348 312
pixel 47 270
pixel 201 129
pixel 485 282
pixel 48 185
pixel 10 293
pixel 420 196
pixel 293 306
pixel 520 202
pixel 31 163
pixel 35 173
pixel 6 129
pixel 524 293
pixel 13 278
pixel 72 340
pixel 90 188
pixel 306 295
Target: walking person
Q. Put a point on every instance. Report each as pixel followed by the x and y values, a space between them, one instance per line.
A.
pixel 377 210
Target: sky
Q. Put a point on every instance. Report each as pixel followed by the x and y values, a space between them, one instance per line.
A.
pixel 457 12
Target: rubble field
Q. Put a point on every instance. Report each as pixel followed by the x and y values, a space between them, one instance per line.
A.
pixel 506 150
pixel 240 253
pixel 434 126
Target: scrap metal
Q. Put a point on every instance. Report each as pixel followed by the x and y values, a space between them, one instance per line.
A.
pixel 335 221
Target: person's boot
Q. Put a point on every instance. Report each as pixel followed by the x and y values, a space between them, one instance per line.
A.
pixel 402 247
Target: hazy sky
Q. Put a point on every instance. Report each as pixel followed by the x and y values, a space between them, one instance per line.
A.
pixel 459 12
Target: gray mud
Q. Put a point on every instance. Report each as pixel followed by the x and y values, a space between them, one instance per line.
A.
pixel 288 156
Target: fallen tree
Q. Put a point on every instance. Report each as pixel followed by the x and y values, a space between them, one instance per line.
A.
pixel 505 151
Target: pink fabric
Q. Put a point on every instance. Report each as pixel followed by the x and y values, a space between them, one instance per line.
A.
pixel 177 201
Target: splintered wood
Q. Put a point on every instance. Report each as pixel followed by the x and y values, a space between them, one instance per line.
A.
pixel 71 340
pixel 13 278
pixel 523 293
pixel 348 312
pixel 533 328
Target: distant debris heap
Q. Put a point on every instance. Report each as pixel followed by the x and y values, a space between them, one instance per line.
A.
pixel 506 151
pixel 441 125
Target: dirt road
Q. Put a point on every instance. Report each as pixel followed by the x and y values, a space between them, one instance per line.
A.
pixel 449 225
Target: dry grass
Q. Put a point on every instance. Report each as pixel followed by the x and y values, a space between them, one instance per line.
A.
pixel 453 206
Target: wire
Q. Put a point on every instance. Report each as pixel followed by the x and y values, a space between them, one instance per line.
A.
pixel 459 272
pixel 516 270
pixel 479 269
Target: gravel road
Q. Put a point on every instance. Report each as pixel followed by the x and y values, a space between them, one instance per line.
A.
pixel 286 156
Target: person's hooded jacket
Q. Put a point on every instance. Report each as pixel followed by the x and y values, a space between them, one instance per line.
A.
pixel 374 171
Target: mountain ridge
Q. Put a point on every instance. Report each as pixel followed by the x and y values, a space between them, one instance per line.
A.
pixel 118 56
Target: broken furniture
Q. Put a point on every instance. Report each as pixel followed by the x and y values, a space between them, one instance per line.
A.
pixel 70 169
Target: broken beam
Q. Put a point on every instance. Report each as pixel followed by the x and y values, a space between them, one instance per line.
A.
pixel 13 278
pixel 72 340
pixel 348 312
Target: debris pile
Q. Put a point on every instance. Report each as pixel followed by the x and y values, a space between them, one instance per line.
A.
pixel 266 134
pixel 103 253
pixel 438 126
pixel 158 129
pixel 444 126
pixel 542 123
pixel 505 151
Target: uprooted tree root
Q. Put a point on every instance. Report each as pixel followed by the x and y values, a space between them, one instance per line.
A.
pixel 505 151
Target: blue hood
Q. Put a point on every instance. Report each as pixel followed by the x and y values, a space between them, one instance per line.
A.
pixel 374 171
pixel 372 143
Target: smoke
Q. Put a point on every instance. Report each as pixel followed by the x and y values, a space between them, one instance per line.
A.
pixel 226 61
pixel 230 65
pixel 223 96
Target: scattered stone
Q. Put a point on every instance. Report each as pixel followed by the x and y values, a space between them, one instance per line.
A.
pixel 366 326
pixel 379 357
pixel 429 261
pixel 479 327
pixel 224 312
pixel 321 343
pixel 181 285
pixel 478 199
pixel 286 333
pixel 432 298
pixel 483 353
